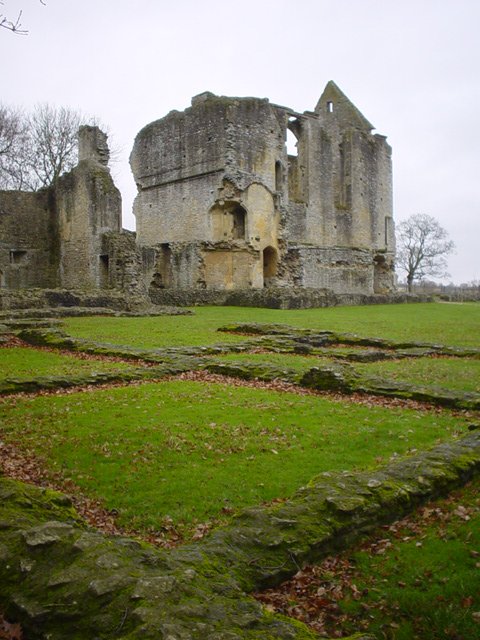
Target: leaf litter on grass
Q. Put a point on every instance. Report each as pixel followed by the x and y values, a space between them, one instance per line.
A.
pixel 406 581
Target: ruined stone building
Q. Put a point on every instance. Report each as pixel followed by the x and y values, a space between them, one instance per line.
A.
pixel 221 205
pixel 70 235
pixel 226 207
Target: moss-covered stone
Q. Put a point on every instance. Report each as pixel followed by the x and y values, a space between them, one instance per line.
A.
pixel 332 377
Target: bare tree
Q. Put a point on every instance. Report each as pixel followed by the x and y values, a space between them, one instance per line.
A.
pixel 53 144
pixel 44 146
pixel 12 126
pixel 36 148
pixel 422 245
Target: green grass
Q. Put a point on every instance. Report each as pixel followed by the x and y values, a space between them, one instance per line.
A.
pixel 429 584
pixel 461 374
pixel 454 324
pixel 26 363
pixel 416 579
pixel 188 450
pixel 453 373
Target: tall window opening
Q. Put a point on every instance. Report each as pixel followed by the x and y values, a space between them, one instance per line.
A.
pixel 278 176
pixel 330 106
pixel 387 230
pixel 103 280
pixel 270 263
pixel 292 143
pixel 162 278
pixel 238 223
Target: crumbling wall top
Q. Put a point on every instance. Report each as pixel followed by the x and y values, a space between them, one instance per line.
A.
pixel 92 145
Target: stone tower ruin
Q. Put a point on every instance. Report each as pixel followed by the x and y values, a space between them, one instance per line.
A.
pixel 221 204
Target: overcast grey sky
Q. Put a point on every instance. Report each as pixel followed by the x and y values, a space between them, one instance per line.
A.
pixel 411 66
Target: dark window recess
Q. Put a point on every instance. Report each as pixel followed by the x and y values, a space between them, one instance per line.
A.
pixel 278 176
pixel 18 257
pixel 104 270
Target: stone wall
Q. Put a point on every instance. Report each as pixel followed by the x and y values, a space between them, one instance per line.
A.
pixel 29 247
pixel 88 205
pixel 55 237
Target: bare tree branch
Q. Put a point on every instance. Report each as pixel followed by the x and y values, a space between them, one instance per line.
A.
pixel 11 25
pixel 14 25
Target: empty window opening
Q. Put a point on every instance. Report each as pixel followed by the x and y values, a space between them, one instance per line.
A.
pixel 17 256
pixel 292 143
pixel 278 176
pixel 104 270
pixel 228 221
pixel 270 263
pixel 387 230
pixel 238 227
pixel 162 277
pixel 330 106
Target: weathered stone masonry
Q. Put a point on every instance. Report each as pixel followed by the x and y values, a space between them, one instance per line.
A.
pixel 224 206
pixel 221 206
pixel 70 235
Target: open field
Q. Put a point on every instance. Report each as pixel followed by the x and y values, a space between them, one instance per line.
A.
pixel 196 452
pixel 452 373
pixel 453 324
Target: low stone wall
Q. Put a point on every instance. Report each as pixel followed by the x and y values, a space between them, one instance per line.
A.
pixel 44 298
pixel 58 576
pixel 276 298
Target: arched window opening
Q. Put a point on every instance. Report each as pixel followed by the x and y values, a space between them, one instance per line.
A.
pixel 270 264
pixel 292 143
pixel 228 222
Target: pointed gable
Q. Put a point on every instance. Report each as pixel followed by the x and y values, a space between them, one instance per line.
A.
pixel 334 104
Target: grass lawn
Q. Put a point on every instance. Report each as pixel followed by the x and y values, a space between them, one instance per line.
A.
pixel 191 450
pixel 452 373
pixel 26 363
pixel 453 324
